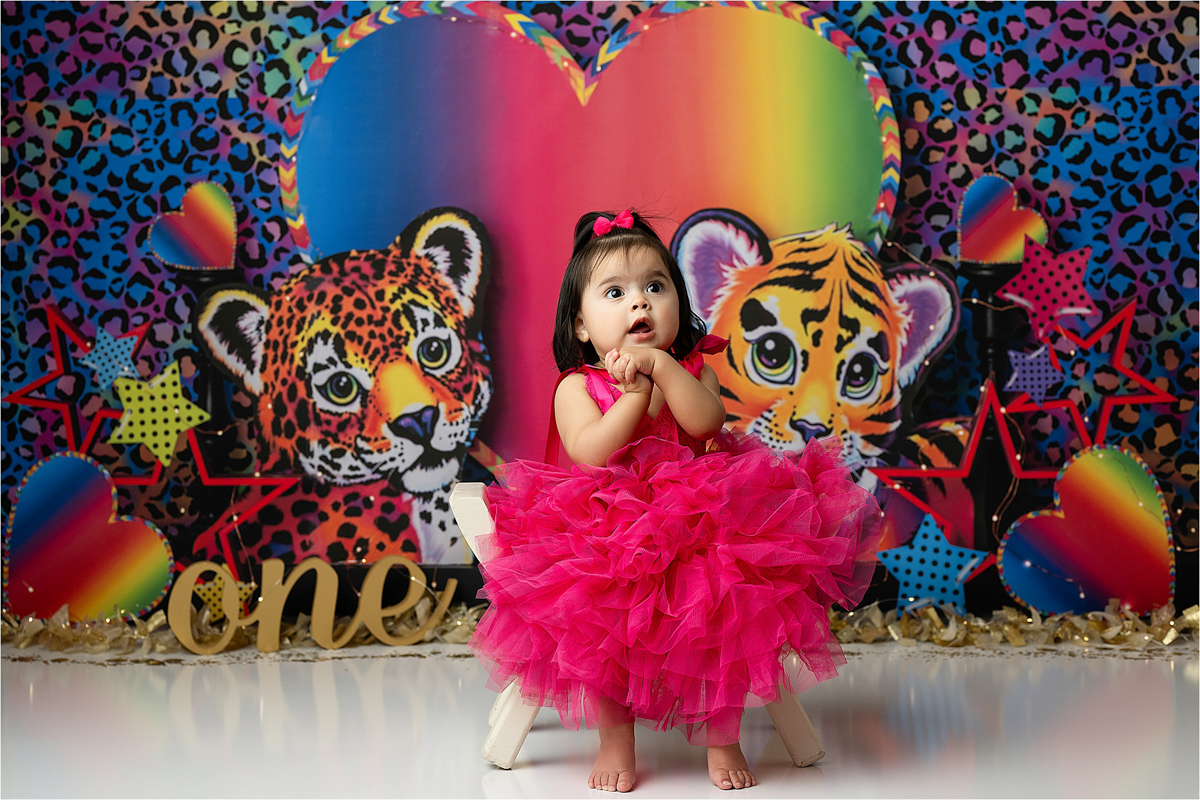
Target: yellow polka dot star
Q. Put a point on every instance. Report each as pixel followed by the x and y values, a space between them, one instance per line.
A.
pixel 155 413
pixel 210 593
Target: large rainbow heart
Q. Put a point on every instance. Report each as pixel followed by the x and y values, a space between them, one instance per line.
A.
pixel 201 236
pixel 766 108
pixel 992 227
pixel 1108 535
pixel 65 544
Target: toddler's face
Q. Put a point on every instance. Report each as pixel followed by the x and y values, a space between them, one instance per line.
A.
pixel 629 301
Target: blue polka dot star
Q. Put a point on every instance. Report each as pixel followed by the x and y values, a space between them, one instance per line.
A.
pixel 929 567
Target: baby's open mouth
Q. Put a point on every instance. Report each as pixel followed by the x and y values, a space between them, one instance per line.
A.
pixel 641 327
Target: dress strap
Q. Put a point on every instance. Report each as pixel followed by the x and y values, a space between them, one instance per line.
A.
pixel 593 375
pixel 693 362
pixel 711 345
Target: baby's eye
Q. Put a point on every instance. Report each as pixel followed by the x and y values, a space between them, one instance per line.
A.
pixel 614 293
pixel 656 287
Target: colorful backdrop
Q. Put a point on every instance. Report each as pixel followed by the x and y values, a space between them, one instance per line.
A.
pixel 111 113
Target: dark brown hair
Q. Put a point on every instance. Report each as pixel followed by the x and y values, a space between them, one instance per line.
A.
pixel 589 250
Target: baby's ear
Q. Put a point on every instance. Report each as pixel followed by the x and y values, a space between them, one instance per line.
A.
pixel 230 325
pixel 712 244
pixel 457 244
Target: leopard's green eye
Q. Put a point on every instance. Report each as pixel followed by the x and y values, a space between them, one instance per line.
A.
pixel 433 353
pixel 341 389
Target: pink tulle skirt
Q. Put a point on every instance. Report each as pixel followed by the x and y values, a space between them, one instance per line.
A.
pixel 671 583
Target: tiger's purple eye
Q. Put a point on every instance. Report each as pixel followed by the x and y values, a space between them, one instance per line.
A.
pixel 862 375
pixel 774 358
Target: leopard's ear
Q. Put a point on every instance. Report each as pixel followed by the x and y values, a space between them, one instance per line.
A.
pixel 457 244
pixel 229 324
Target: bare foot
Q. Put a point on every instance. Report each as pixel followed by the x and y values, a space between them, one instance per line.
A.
pixel 727 767
pixel 615 762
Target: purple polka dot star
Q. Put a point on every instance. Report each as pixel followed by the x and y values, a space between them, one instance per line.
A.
pixel 1033 373
pixel 1050 285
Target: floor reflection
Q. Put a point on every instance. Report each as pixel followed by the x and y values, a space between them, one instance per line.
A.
pixel 896 723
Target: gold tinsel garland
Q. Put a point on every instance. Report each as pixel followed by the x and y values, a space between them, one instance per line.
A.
pixel 121 637
pixel 1115 627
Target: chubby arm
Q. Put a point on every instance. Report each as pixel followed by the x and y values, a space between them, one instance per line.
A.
pixel 695 404
pixel 588 436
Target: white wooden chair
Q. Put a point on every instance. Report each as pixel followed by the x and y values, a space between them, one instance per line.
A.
pixel 511 718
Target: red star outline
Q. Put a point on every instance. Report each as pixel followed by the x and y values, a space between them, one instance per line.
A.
pixel 989 403
pixel 60 328
pixel 229 520
pixel 1151 394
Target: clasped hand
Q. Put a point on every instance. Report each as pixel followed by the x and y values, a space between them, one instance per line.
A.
pixel 631 367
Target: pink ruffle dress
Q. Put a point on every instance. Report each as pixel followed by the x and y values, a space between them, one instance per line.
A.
pixel 675 578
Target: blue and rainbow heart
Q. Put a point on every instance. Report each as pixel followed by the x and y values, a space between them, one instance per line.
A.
pixel 1107 536
pixel 65 543
pixel 992 227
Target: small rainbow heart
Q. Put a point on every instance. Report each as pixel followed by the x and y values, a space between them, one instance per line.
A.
pixel 65 544
pixel 992 227
pixel 1108 535
pixel 203 235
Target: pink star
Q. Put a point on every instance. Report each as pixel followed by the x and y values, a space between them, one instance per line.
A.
pixel 1049 286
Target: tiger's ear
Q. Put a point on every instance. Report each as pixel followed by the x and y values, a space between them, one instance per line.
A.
pixel 928 302
pixel 712 244
pixel 456 242
pixel 230 326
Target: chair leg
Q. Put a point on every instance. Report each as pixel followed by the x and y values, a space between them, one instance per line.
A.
pixel 796 729
pixel 471 512
pixel 510 718
pixel 513 719
pixel 505 693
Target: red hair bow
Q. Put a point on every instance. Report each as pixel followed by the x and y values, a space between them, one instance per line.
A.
pixel 602 226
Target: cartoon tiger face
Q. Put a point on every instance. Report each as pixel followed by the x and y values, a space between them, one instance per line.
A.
pixel 368 365
pixel 822 342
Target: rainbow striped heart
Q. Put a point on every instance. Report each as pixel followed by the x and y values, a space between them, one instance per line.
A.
pixel 203 235
pixel 992 227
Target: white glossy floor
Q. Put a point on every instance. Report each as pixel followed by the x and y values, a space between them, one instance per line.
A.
pixel 409 722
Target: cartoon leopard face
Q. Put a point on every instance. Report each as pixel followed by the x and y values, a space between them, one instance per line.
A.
pixel 368 365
